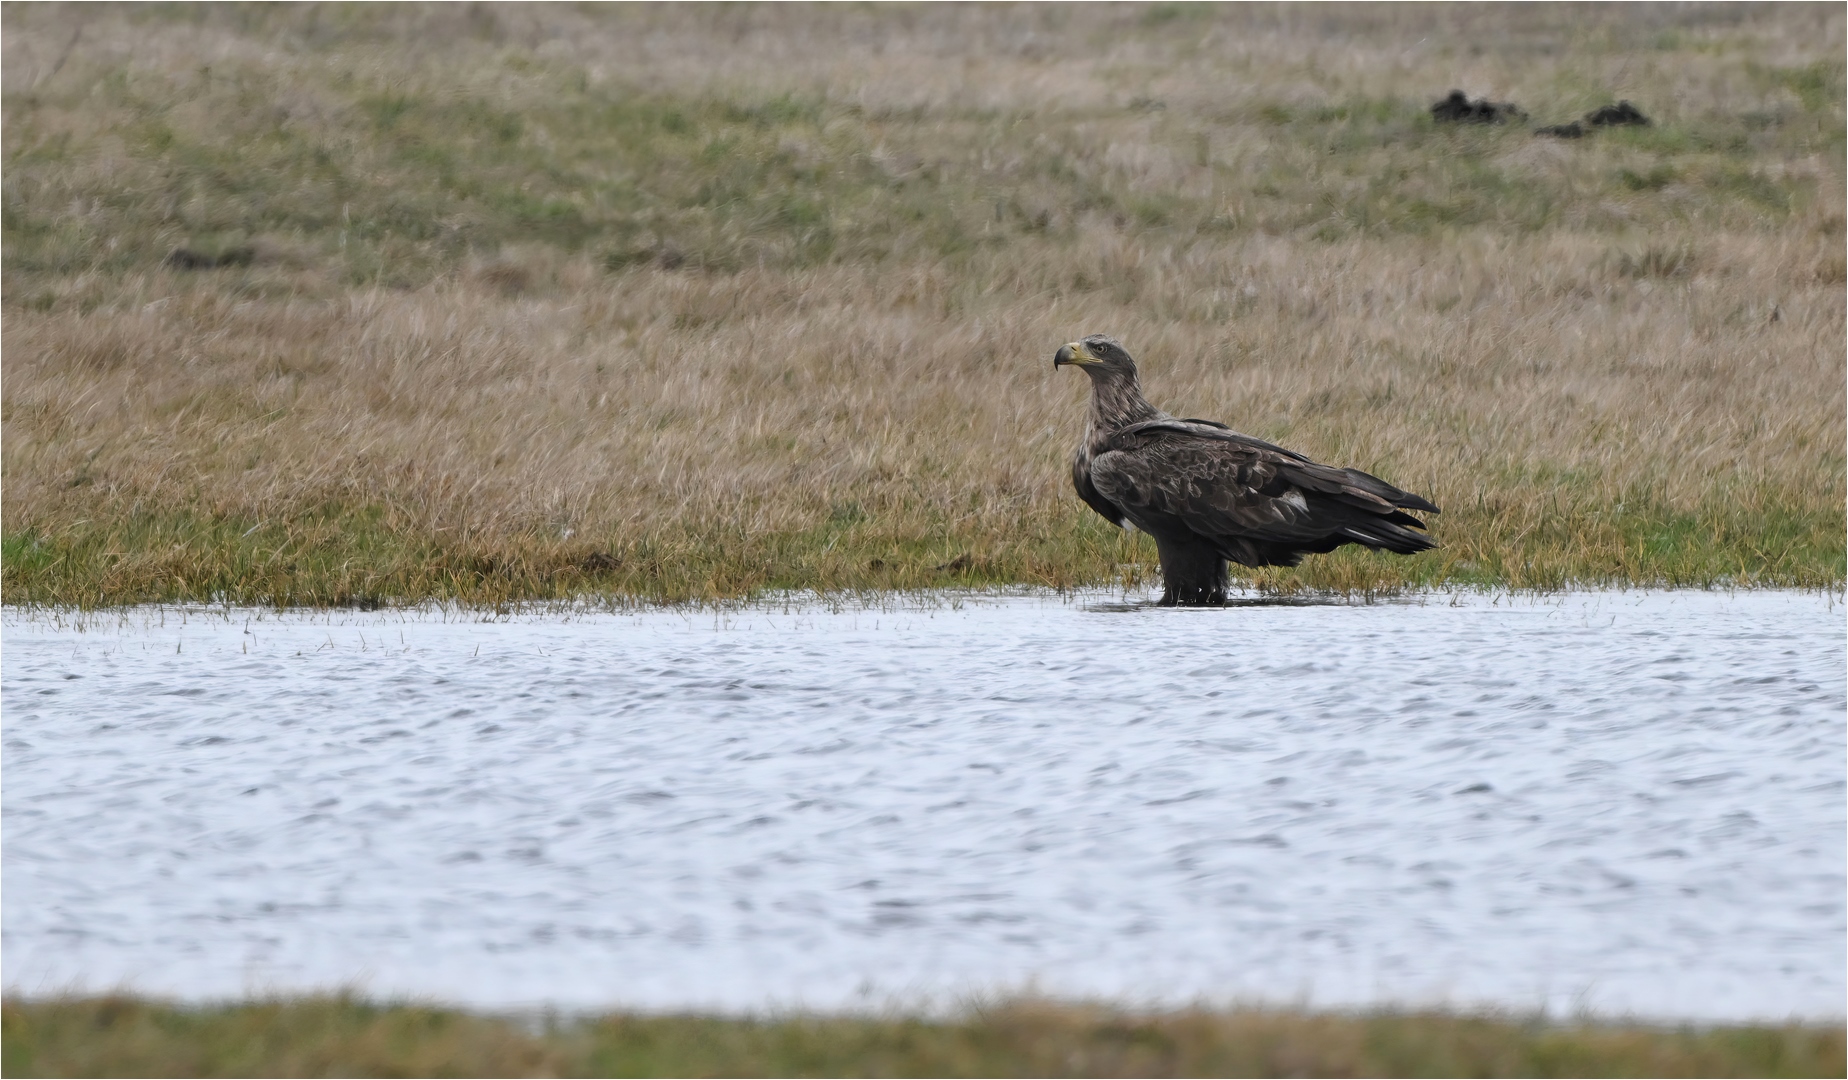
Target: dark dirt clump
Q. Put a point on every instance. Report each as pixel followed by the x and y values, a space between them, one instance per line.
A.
pixel 1622 114
pixel 188 259
pixel 1457 108
pixel 1619 115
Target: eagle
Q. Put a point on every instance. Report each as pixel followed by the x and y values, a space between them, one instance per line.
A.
pixel 1208 494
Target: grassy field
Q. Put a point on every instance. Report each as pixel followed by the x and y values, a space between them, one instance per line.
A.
pixel 343 1037
pixel 333 305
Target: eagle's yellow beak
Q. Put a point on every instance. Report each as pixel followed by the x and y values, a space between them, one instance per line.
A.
pixel 1074 353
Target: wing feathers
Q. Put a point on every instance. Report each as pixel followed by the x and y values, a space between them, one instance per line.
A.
pixel 1202 429
pixel 1258 503
pixel 1087 490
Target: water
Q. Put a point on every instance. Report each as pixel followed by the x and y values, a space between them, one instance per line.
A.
pixel 1621 803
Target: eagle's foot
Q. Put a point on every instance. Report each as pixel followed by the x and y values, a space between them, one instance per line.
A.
pixel 1194 596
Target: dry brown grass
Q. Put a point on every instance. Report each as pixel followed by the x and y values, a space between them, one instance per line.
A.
pixel 1618 359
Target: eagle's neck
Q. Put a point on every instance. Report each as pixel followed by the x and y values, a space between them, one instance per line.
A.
pixel 1117 402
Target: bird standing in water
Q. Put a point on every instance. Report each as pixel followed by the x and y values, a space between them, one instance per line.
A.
pixel 1208 494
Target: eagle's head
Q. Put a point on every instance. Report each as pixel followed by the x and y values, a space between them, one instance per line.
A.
pixel 1100 357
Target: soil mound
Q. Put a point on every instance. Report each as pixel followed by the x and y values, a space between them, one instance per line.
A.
pixel 1622 114
pixel 1619 115
pixel 188 259
pixel 1457 108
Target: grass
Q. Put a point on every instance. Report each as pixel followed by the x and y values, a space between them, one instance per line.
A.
pixel 511 303
pixel 337 556
pixel 339 1036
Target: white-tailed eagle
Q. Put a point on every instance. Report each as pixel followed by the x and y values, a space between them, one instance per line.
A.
pixel 1208 494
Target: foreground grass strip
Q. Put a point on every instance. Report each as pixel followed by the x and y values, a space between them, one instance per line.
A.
pixel 341 1036
pixel 364 557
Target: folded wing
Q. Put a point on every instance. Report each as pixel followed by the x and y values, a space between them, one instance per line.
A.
pixel 1254 502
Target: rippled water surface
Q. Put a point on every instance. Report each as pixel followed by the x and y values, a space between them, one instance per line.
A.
pixel 1618 802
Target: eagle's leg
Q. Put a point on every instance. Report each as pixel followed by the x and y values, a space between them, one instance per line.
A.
pixel 1192 574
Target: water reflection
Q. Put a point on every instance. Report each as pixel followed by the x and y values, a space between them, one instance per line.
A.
pixel 1125 607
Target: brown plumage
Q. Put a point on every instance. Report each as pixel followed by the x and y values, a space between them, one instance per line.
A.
pixel 1208 494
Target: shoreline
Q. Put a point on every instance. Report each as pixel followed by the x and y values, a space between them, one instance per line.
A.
pixel 938 1007
pixel 895 601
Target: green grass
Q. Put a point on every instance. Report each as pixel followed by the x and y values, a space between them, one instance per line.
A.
pixel 340 1036
pixel 366 556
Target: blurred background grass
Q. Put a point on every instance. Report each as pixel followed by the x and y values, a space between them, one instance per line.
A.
pixel 393 143
pixel 344 304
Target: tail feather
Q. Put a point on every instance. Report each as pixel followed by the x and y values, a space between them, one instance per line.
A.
pixel 1382 534
pixel 1399 497
pixel 1352 484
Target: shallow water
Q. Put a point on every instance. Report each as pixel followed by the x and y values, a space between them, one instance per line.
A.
pixel 1619 802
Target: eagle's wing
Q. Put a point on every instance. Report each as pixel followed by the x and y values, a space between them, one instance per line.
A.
pixel 1258 503
pixel 1087 490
